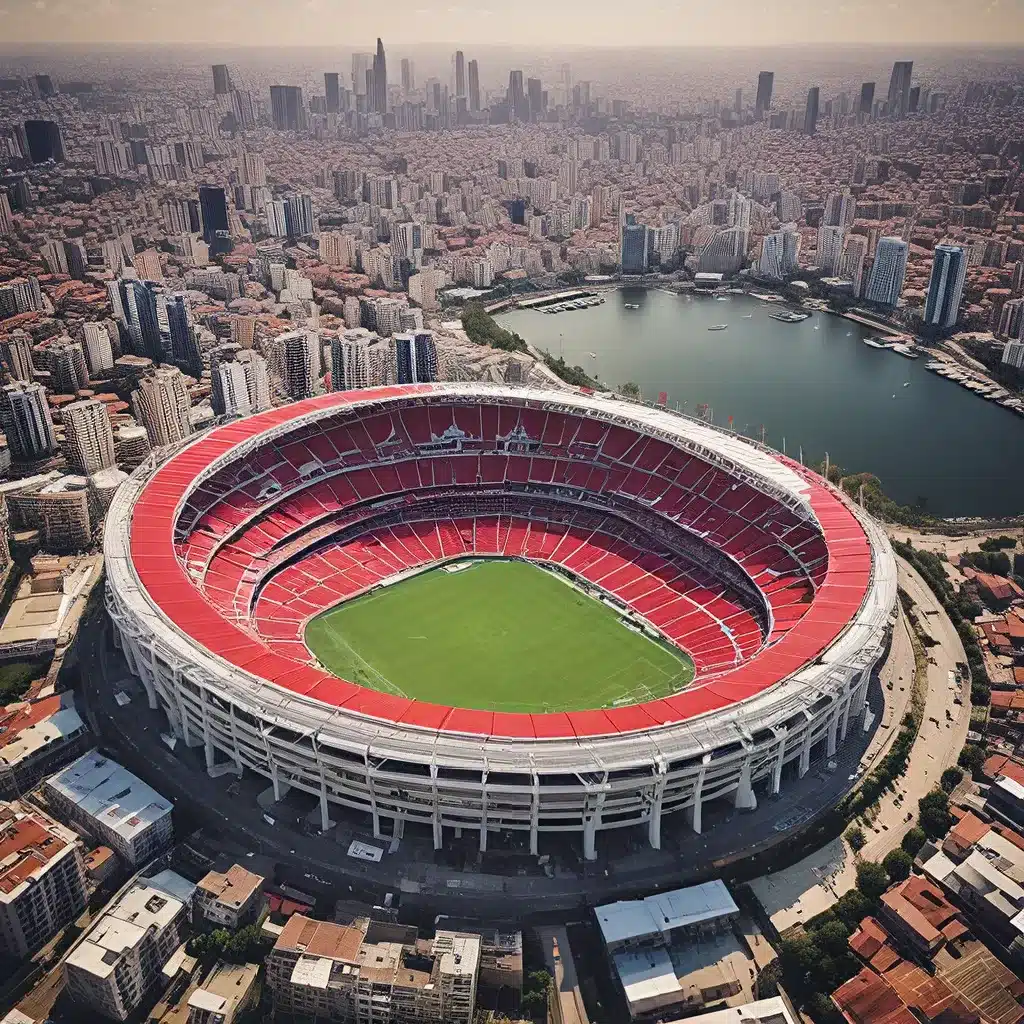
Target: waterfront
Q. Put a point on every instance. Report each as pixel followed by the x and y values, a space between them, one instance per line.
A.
pixel 814 384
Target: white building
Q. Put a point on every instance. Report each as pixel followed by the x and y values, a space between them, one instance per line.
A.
pixel 162 406
pixel 25 419
pixel 830 249
pixel 888 271
pixel 113 806
pixel 779 252
pixel 359 359
pixel 229 900
pixel 122 955
pixel 946 286
pixel 98 350
pixel 298 358
pixel 89 437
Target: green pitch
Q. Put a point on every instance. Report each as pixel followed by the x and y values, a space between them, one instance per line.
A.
pixel 497 636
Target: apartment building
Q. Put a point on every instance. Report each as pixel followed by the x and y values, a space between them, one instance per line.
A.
pixel 113 806
pixel 42 878
pixel 329 971
pixel 231 899
pixel 121 957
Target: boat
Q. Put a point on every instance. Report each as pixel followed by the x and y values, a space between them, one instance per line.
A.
pixel 906 383
pixel 718 327
pixel 748 316
pixel 632 305
pixel 787 316
pixel 893 396
pixel 849 334
pixel 871 343
pixel 906 351
pixel 721 298
pixel 817 327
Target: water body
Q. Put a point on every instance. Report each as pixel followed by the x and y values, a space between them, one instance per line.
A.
pixel 813 384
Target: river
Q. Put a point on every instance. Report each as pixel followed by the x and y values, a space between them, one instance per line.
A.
pixel 812 385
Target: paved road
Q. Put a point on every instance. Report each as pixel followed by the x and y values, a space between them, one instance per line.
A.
pixel 564 973
pixel 626 865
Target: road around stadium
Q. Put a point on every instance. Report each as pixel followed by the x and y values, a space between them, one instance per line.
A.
pixel 497 635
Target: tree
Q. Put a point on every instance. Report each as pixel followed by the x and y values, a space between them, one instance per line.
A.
pixel 832 937
pixel 933 814
pixel 852 907
pixel 914 840
pixel 950 779
pixel 855 837
pixel 630 390
pixel 897 864
pixel 972 758
pixel 872 879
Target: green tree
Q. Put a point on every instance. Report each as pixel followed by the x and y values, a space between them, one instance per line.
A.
pixel 832 937
pixel 914 840
pixel 852 907
pixel 950 779
pixel 855 837
pixel 872 879
pixel 630 390
pixel 933 814
pixel 898 864
pixel 972 758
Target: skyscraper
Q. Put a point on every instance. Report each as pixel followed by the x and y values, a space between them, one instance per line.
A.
pixel 408 78
pixel 16 349
pixel 185 349
pixel 45 141
pixel 359 359
pixel 459 65
pixel 287 108
pixel 763 103
pixel 138 302
pixel 221 80
pixel 99 352
pixel 361 63
pixel 867 97
pixel 535 96
pixel 380 80
pixel 474 86
pixel 779 252
pixel 517 107
pixel 946 286
pixel 415 357
pixel 162 406
pixel 899 88
pixel 633 246
pixel 332 92
pixel 240 381
pixel 89 437
pixel 298 358
pixel 25 419
pixel 888 271
pixel 66 362
pixel 214 207
pixel 811 113
pixel 830 248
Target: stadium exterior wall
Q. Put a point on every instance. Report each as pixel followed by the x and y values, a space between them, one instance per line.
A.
pixel 395 773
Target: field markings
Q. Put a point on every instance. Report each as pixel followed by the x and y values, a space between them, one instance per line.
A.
pixel 383 683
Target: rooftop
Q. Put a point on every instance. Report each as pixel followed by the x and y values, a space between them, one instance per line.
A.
pixel 29 844
pixel 665 911
pixel 28 727
pixel 233 888
pixel 320 939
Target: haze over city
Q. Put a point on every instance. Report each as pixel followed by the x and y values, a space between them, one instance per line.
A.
pixel 511 514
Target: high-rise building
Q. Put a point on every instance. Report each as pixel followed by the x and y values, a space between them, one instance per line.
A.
pixel 337 249
pixel 867 97
pixel 899 88
pixel 633 246
pixel 26 421
pixel 474 86
pixel 361 63
pixel 54 256
pixel 16 349
pixel 851 266
pixel 763 102
pixel 22 295
pixel 45 141
pixel 517 103
pixel 162 405
pixel 213 204
pixel 779 252
pixel 359 359
pixel 840 209
pixel 725 252
pixel 415 357
pixel 888 271
pixel 288 109
pixel 535 97
pixel 89 437
pixel 6 214
pixel 811 111
pixel 459 73
pixel 185 349
pixel 65 360
pixel 1011 320
pixel 43 86
pixel 1013 353
pixel 408 76
pixel 298 357
pixel 946 286
pixel 332 92
pixel 830 248
pixel 380 80
pixel 240 381
pixel 99 352
pixel 221 80
pixel 291 217
pixel 138 301
pixel 42 879
pixel 148 264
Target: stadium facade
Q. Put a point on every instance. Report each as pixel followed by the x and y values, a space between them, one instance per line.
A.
pixel 780 589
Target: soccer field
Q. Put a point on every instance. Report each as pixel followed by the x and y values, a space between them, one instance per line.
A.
pixel 497 636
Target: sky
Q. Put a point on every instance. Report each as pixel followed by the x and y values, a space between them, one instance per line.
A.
pixel 352 24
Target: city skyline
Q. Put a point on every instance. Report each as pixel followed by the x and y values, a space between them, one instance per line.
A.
pixel 651 23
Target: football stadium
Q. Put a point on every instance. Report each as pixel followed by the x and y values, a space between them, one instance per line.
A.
pixel 488 608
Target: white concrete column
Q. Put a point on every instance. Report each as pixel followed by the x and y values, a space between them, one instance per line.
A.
pixel 698 787
pixel 780 755
pixel 235 749
pixel 535 816
pixel 483 809
pixel 374 813
pixel 654 822
pixel 745 798
pixel 591 823
pixel 833 730
pixel 274 780
pixel 325 819
pixel 438 828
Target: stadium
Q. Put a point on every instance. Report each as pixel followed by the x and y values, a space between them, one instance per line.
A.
pixel 491 609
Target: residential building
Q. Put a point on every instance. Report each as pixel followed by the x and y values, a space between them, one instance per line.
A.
pixel 946 286
pixel 885 284
pixel 122 955
pixel 113 806
pixel 42 879
pixel 899 88
pixel 779 253
pixel 415 357
pixel 633 246
pixel 89 437
pixel 162 406
pixel 240 381
pixel 298 358
pixel 16 349
pixel 229 900
pixel 830 249
pixel 229 992
pixel 99 352
pixel 359 359
pixel 65 360
pixel 288 109
pixel 26 422
pixel 58 509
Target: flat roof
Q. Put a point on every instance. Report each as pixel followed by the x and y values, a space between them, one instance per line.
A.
pixel 107 793
pixel 665 911
pixel 30 727
pixel 761 1011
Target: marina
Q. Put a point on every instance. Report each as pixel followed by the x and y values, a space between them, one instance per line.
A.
pixel 584 303
pixel 789 316
pixel 979 385
pixel 818 391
